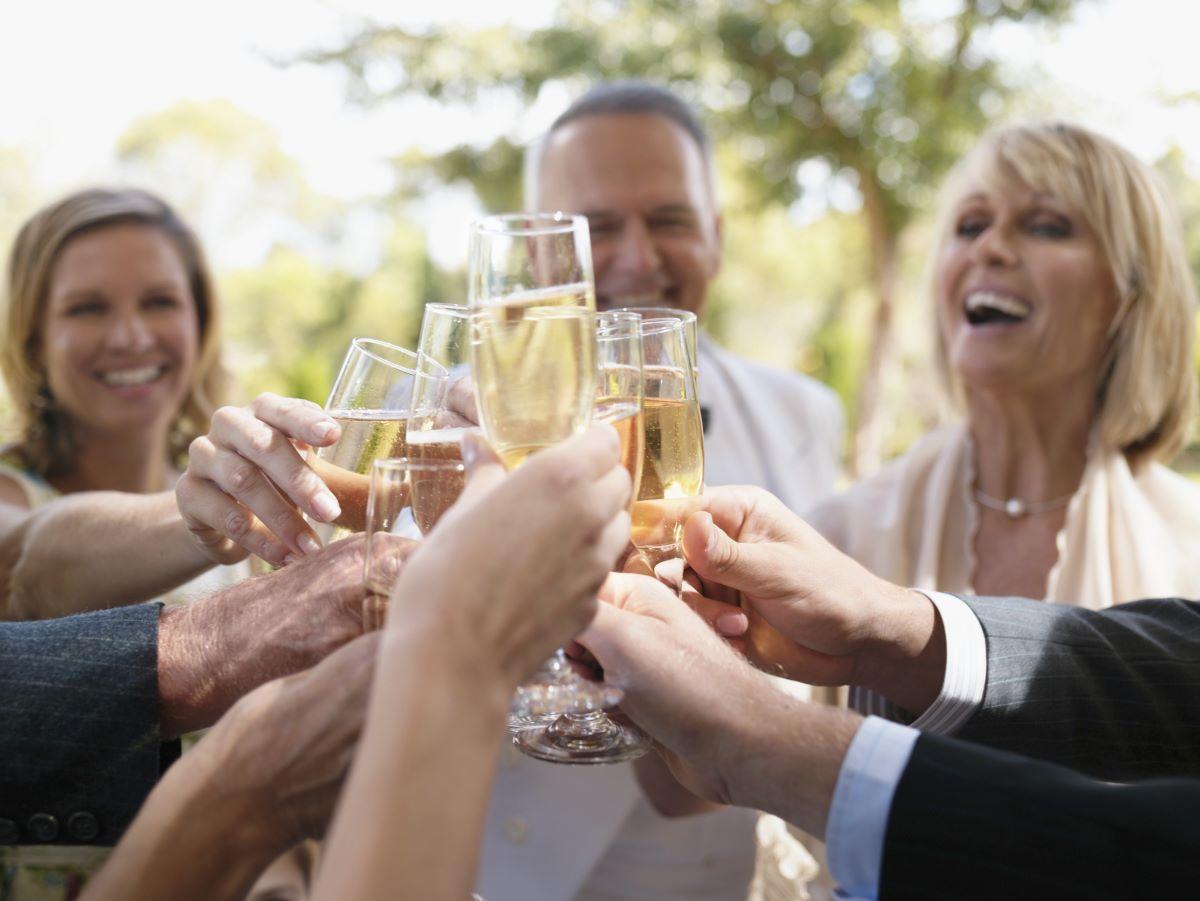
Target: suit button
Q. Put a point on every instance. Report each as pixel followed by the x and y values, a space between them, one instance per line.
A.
pixel 42 828
pixel 83 826
pixel 9 833
pixel 515 829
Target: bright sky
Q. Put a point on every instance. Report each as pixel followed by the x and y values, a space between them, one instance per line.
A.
pixel 76 74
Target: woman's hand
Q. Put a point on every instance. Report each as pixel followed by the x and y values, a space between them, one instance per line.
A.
pixel 512 570
pixel 246 485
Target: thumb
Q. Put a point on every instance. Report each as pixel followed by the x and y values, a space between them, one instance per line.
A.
pixel 484 469
pixel 715 556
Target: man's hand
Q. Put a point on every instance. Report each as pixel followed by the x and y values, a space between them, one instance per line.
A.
pixel 246 485
pixel 212 652
pixel 726 731
pixel 811 612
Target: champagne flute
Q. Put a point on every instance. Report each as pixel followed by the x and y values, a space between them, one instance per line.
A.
pixel 532 350
pixel 673 467
pixel 370 400
pixel 406 499
pixel 691 327
pixel 531 291
pixel 592 736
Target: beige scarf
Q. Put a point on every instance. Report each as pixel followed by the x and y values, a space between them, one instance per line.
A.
pixel 1125 536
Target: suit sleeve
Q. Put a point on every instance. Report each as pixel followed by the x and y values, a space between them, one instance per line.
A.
pixel 973 822
pixel 80 746
pixel 1114 693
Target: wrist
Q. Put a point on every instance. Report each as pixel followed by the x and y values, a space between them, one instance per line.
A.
pixel 440 661
pixel 905 659
pixel 784 755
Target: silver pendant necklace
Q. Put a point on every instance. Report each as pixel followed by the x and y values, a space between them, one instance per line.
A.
pixel 1015 508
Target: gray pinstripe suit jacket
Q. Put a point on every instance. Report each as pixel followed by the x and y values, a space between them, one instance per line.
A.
pixel 79 742
pixel 1114 694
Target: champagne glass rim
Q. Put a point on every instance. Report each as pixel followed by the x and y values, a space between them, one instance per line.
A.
pixel 462 311
pixel 661 326
pixel 392 464
pixel 529 224
pixel 651 313
pixel 420 363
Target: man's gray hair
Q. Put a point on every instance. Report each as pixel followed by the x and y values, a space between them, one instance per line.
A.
pixel 623 98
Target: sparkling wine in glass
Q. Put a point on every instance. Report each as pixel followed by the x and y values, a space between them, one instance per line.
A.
pixel 673 463
pixel 405 500
pixel 371 400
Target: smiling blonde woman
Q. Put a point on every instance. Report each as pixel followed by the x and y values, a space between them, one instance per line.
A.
pixel 1065 312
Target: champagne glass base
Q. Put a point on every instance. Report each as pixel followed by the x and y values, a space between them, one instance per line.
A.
pixel 566 694
pixel 586 739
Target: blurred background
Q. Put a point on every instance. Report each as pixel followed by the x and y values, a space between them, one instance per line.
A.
pixel 330 154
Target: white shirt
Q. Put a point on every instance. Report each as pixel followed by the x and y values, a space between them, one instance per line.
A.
pixel 779 430
pixel 566 833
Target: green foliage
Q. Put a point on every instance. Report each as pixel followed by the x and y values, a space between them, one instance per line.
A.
pixel 861 83
pixel 289 321
pixel 887 97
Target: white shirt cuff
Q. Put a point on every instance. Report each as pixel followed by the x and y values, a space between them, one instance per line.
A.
pixel 862 801
pixel 963 682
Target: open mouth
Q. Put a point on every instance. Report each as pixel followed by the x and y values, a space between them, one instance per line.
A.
pixel 132 378
pixel 992 308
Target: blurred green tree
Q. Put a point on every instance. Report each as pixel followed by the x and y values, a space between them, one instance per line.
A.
pixel 887 93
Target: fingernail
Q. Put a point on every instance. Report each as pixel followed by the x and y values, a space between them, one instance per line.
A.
pixel 308 543
pixel 327 506
pixel 325 429
pixel 732 624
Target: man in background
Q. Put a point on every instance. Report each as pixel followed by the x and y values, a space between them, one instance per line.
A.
pixel 636 161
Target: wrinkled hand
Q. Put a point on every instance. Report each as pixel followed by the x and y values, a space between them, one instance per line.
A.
pixel 512 569
pixel 246 485
pixel 217 649
pixel 683 685
pixel 291 741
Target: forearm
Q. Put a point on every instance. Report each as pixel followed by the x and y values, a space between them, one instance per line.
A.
pixel 421 780
pixel 94 550
pixel 783 756
pixel 198 836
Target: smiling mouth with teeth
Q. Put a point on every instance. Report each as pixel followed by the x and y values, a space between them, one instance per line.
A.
pixel 131 378
pixel 991 308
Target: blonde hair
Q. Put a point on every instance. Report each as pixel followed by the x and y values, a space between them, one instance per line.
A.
pixel 45 441
pixel 1146 394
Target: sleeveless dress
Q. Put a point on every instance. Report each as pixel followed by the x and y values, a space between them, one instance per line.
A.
pixel 58 872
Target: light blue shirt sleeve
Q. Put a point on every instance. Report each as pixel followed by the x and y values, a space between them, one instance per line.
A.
pixel 862 800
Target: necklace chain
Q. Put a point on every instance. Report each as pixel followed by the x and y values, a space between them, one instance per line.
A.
pixel 1015 508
